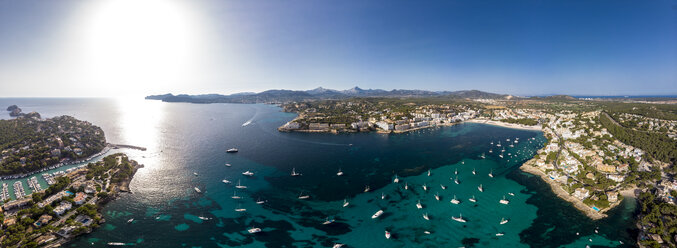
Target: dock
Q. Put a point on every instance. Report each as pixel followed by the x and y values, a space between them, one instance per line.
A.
pixel 118 146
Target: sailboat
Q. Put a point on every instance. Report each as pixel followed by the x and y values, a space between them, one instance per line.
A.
pixel 455 201
pixel 455 171
pixel 327 221
pixel 377 214
pixel 443 187
pixel 425 216
pixel 396 180
pixel 303 197
pixel 418 205
pixel 387 235
pixel 425 188
pixel 472 199
pixel 490 151
pixel 366 188
pixel 345 203
pixel 459 218
pixel 294 173
pixel 228 165
pixel 406 186
pixel 428 172
pixel 482 156
pixel 259 201
pixel 480 188
pixel 456 180
pixel 383 196
pixel 511 194
pixel 474 172
pixel 239 186
pixel 235 196
pixel 240 209
pixel 254 230
pixel 225 181
pixel 491 173
pixel 499 144
pixel 503 221
pixel 499 234
pixel 337 245
pixel 504 201
pixel 437 196
pixel 339 173
pixel 248 173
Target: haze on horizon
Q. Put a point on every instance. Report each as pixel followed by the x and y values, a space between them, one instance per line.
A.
pixel 140 47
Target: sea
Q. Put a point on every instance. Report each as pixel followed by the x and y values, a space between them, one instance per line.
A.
pixel 186 149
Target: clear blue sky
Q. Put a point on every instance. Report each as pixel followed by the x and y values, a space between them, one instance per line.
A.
pixel 99 48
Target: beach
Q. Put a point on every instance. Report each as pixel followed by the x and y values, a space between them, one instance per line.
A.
pixel 505 124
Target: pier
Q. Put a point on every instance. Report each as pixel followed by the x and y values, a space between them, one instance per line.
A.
pixel 118 146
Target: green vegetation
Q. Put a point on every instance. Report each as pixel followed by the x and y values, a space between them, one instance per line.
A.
pixel 522 121
pixel 657 146
pixel 660 218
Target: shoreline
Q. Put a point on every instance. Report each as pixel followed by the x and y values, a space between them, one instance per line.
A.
pixel 103 151
pixel 562 194
pixel 505 124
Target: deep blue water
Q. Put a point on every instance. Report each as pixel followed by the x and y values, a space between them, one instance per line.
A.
pixel 185 138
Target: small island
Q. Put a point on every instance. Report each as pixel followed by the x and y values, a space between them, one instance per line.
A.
pixel 68 208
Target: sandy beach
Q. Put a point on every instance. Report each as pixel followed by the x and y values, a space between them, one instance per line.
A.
pixel 505 124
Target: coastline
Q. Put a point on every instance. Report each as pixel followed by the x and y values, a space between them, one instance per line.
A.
pixel 56 166
pixel 562 194
pixel 505 124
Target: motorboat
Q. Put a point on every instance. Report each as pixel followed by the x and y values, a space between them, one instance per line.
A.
pixel 248 173
pixel 387 235
pixel 504 201
pixel 197 190
pixel 232 150
pixel 377 214
pixel 503 221
pixel 339 173
pixel 418 205
pixel 254 230
pixel 472 199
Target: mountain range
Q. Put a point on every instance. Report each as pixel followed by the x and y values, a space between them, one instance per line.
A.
pixel 320 93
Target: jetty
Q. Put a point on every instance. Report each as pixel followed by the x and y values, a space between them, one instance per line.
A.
pixel 118 146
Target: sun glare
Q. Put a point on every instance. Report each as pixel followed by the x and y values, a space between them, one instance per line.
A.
pixel 140 45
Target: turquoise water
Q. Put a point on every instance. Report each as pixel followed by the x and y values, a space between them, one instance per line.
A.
pixel 187 138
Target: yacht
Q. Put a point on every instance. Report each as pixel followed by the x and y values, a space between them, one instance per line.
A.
pixel 366 188
pixel 428 172
pixel 240 209
pixel 499 144
pixel 235 196
pixel 204 218
pixel 499 234
pixel 437 196
pixel 443 187
pixel 426 232
pixel 459 218
pixel 337 245
pixel 345 203
pixel 303 197
pixel 406 187
pixel 228 165
pixel 240 186
pixel 116 243
pixel 254 230
pixel 225 181
pixel 474 172
pixel 500 155
pixel 383 196
pixel 456 172
pixel 425 188
pixel 455 201
pixel 504 201
pixel 418 205
pixel 511 194
pixel 490 151
pixel 387 235
pixel 472 199
pixel 339 173
pixel 130 220
pixel 232 150
pixel 503 221
pixel 511 145
pixel 480 188
pixel 462 162
pixel 197 190
pixel 396 180
pixel 294 173
pixel 425 216
pixel 259 201
pixel 482 156
pixel 327 221
pixel 377 214
pixel 456 180
pixel 248 173
pixel 195 173
pixel 491 173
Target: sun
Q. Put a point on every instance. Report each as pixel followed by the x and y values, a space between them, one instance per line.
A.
pixel 140 45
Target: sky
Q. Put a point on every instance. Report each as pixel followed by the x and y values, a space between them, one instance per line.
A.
pixel 94 48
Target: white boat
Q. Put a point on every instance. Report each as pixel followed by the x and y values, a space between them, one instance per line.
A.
pixel 377 214
pixel 428 172
pixel 443 187
pixel 491 173
pixel 425 216
pixel 259 201
pixel 500 155
pixel 240 210
pixel 294 173
pixel 480 188
pixel 455 201
pixel 387 235
pixel 228 165
pixel 232 150
pixel 130 220
pixel 254 230
pixel 499 234
pixel 248 173
pixel 456 180
pixel 247 123
pixel 327 221
pixel 195 173
pixel 426 232
pixel 472 199
pixel 511 194
pixel 418 205
pixel 507 140
pixel 345 203
pixel 225 181
pixel 459 218
pixel 437 196
pixel 339 173
pixel 239 186
pixel 503 221
pixel 197 190
pixel 455 171
pixel 337 245
pixel 474 172
pixel 303 197
pixel 235 196
pixel 396 180
pixel 462 162
pixel 504 201
pixel 425 187
pixel 490 151
pixel 383 196
pixel 406 186
pixel 116 243
pixel 482 156
pixel 203 218
pixel 366 188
